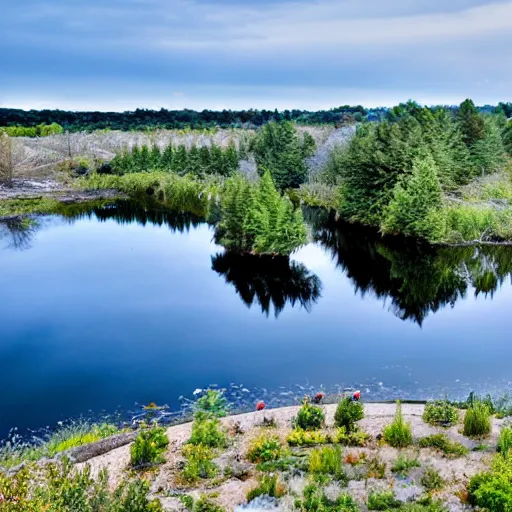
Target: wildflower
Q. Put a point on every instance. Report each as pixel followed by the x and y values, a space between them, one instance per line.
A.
pixel 260 405
pixel 319 397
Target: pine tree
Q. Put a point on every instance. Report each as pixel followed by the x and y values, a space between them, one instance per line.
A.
pixel 488 152
pixel 155 157
pixel 205 160
pixel 507 137
pixel 308 145
pixel 180 160
pixel 471 123
pixel 194 160
pixel 144 159
pixel 167 157
pixel 230 160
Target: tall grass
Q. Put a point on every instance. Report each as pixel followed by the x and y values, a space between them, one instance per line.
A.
pixel 477 422
pixel 398 434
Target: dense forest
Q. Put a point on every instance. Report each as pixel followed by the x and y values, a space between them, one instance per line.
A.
pixel 163 118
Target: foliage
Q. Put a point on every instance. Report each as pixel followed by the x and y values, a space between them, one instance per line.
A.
pixel 256 219
pixel 300 437
pixel 327 460
pixel 398 434
pixel 265 448
pixel 199 463
pixel 279 150
pixel 431 480
pixel 441 442
pixel 310 417
pixel 492 490
pixel 505 441
pixel 148 447
pixel 415 208
pixel 353 438
pixel 403 464
pixel 471 123
pixel 440 413
pixel 199 161
pixel 40 130
pixel 269 485
pixel 375 468
pixel 383 501
pixel 207 430
pixel 315 500
pixel 212 402
pixel 348 412
pixel 62 488
pixel 204 504
pixel 477 421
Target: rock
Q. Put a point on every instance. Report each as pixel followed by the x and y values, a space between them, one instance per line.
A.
pixel 241 470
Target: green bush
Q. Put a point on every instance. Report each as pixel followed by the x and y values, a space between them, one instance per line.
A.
pixel 60 487
pixel 403 464
pixel 477 421
pixel 199 463
pixel 204 504
pixel 505 441
pixel 148 447
pixel 265 448
pixel 212 402
pixel 440 413
pixel 269 485
pixel 299 437
pixel 375 468
pixel 432 480
pixel 398 434
pixel 441 442
pixel 310 417
pixel 354 438
pixel 327 461
pixel 383 501
pixel 207 430
pixel 348 413
pixel 315 500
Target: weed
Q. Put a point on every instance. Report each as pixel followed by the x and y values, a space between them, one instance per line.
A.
pixel 309 417
pixel 269 485
pixel 432 480
pixel 355 458
pixel 354 438
pixel 348 413
pixel 212 402
pixel 199 463
pixel 186 499
pixel 205 504
pixel 278 465
pixel 403 464
pixel 441 442
pixel 440 413
pixel 375 468
pixel 208 431
pixel 382 501
pixel 327 461
pixel 265 448
pixel 398 434
pixel 314 500
pixel 148 447
pixel 505 441
pixel 477 421
pixel 299 437
pixel 480 448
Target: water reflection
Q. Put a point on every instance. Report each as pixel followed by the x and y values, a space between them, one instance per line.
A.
pixel 269 281
pixel 19 232
pixel 417 279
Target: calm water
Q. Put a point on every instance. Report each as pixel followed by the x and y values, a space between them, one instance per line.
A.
pixel 118 307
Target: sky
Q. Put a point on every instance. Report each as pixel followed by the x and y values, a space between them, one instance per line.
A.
pixel 235 54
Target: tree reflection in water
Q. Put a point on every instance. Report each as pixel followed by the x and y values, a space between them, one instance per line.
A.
pixel 269 281
pixel 19 232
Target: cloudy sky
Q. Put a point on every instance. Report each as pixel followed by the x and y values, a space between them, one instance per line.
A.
pixel 123 54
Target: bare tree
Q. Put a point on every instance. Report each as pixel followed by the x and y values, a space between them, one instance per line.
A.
pixel 5 159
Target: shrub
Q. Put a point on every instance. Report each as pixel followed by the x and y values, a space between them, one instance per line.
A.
pixel 315 500
pixel 403 464
pixel 269 485
pixel 148 447
pixel 505 441
pixel 440 413
pixel 212 402
pixel 398 434
pixel 382 501
pixel 493 490
pixel 375 468
pixel 477 422
pixel 204 504
pixel 309 417
pixel 207 431
pixel 348 413
pixel 355 438
pixel 199 463
pixel 327 461
pixel 432 480
pixel 299 437
pixel 265 448
pixel 441 442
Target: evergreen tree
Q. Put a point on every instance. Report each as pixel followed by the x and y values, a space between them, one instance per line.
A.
pixel 180 160
pixel 217 160
pixel 230 160
pixel 155 157
pixel 415 208
pixel 194 160
pixel 167 157
pixel 471 123
pixel 488 152
pixel 144 159
pixel 308 145
pixel 205 159
pixel 277 148
pixel 507 137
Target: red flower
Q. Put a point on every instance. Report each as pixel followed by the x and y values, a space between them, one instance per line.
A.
pixel 356 396
pixel 319 397
pixel 260 405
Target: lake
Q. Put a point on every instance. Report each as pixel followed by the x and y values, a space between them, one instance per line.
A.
pixel 121 306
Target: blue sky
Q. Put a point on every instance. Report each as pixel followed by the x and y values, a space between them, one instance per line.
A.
pixel 123 54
